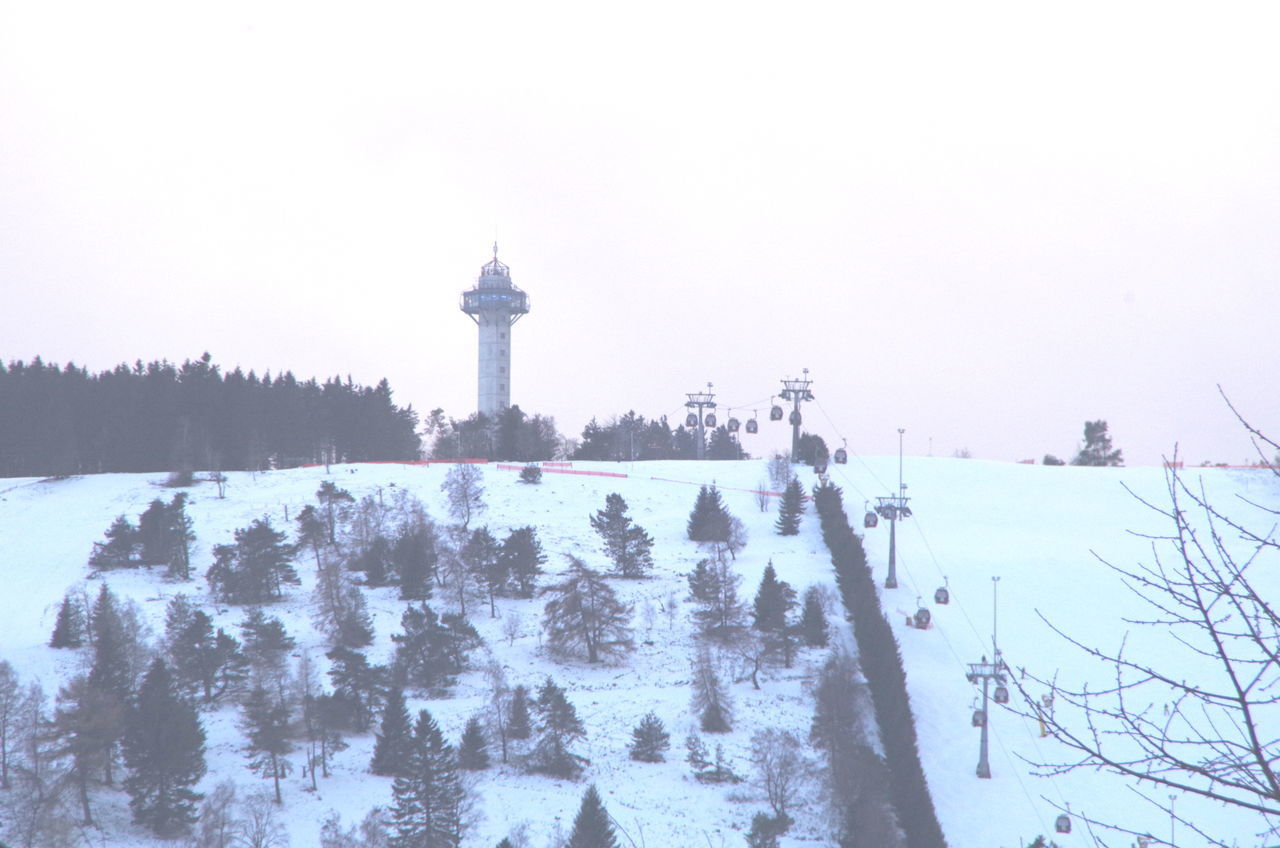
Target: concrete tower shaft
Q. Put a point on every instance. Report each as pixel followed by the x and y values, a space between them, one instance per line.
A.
pixel 495 304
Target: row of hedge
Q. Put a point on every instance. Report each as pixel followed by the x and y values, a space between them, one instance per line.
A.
pixel 882 666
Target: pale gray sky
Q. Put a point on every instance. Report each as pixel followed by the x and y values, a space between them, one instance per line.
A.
pixel 983 222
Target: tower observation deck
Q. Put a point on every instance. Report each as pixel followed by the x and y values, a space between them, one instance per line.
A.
pixel 495 304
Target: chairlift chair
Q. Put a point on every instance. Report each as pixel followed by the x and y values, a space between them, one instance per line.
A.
pixel 904 512
pixel 1001 695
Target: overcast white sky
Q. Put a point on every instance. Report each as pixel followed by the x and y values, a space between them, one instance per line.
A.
pixel 982 222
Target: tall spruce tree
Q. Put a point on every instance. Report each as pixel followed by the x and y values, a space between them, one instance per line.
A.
pixel 266 722
pixel 164 750
pixel 414 558
pixel 428 802
pixel 813 619
pixel 519 725
pixel 522 559
pixel 120 550
pixel 592 827
pixel 473 753
pixel 68 630
pixel 774 601
pixel 709 520
pixel 393 747
pixel 790 510
pixel 559 727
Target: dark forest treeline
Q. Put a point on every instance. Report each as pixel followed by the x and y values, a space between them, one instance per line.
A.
pixel 160 416
pixel 631 437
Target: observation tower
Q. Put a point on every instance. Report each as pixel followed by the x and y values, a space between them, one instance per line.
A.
pixel 495 304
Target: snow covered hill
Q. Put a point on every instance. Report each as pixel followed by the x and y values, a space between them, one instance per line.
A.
pixel 1033 527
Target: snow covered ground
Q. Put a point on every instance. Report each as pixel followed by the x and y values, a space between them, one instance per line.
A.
pixel 1032 526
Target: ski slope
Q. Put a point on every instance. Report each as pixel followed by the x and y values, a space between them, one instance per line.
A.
pixel 1033 527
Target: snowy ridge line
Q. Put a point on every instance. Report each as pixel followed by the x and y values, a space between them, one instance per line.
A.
pixel 403 462
pixel 565 471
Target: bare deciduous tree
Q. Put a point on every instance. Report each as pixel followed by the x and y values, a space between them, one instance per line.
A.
pixel 464 485
pixel 1195 714
pixel 780 766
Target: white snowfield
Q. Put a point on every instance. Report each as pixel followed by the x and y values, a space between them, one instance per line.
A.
pixel 1034 527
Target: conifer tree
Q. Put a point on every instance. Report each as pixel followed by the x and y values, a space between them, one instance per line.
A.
pixel 393 747
pixel 790 510
pixel 110 671
pixel 774 600
pixel 256 568
pixel 715 584
pixel 313 533
pixel 266 722
pixel 519 725
pixel 522 559
pixel 68 631
pixel 427 810
pixel 86 725
pixel 357 684
pixel 120 548
pixel 558 726
pixel 592 827
pixel 481 556
pixel 813 619
pixel 473 754
pixel 649 740
pixel 414 558
pixel 266 642
pixel 709 520
pixel 584 616
pixel 208 661
pixel 164 750
pixel 710 698
pixel 11 724
pixel 627 545
pixel 180 534
pixel 333 502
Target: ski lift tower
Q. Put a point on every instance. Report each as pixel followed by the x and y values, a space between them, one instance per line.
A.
pixel 699 401
pixel 495 304
pixel 796 391
pixel 891 508
pixel 986 672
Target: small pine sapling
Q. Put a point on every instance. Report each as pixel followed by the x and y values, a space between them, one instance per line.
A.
pixel 473 753
pixel 649 740
pixel 531 474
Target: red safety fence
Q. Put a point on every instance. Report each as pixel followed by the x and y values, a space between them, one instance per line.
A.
pixel 567 471
pixel 402 462
pixel 550 464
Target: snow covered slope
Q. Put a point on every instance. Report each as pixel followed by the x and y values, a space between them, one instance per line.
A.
pixel 1032 526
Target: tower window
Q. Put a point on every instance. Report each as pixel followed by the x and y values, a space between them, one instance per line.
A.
pixel 502 351
pixel 502 369
pixel 502 335
pixel 502 386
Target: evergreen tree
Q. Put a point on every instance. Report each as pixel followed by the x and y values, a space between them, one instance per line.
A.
pixel 86 725
pixel 333 504
pixel 68 631
pixel 313 533
pixel 519 725
pixel 414 558
pixel 111 643
pixel 164 750
pixel 393 747
pixel 152 534
pixel 266 722
pixel 774 601
pixel 709 520
pixel 522 558
pixel 710 698
pixel 473 753
pixel 427 810
pixel 790 510
pixel 357 685
pixel 628 546
pixel 255 569
pixel 433 649
pixel 715 585
pixel 207 661
pixel 813 619
pixel 558 726
pixel 266 642
pixel 649 740
pixel 179 534
pixel 120 550
pixel 592 827
pixel 585 616
pixel 481 556
pixel 1097 447
pixel 531 474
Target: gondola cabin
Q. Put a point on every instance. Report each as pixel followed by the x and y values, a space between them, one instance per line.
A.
pixel 691 420
pixel 870 519
pixel 841 456
pixel 921 619
pixel 795 418
pixel 710 420
pixel 942 596
pixel 1063 824
pixel 775 413
pixel 1001 695
pixel 732 425
pixel 752 426
pixel 979 719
